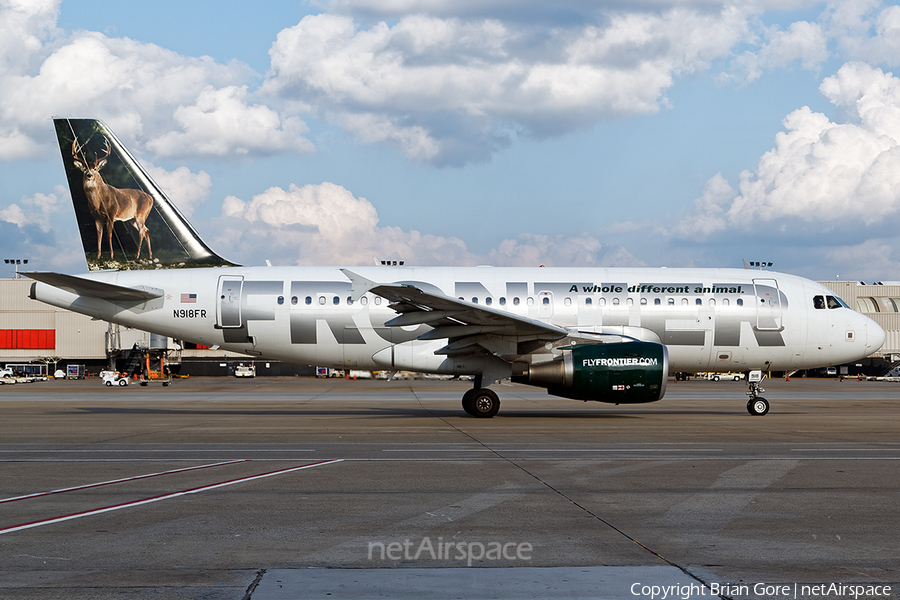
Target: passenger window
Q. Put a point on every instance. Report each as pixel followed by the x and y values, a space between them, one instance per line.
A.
pixel 671 301
pixel 529 301
pixel 280 300
pixel 588 301
pixel 615 301
pixel 335 300
pixel 629 301
pixel 515 301
pixel 377 300
pixel 488 300
pixel 294 300
pixel 643 302
pixel 322 300
pixel 684 302
pixel 657 301
pixel 349 300
pixel 699 302
pixel 502 301
pixel 546 301
pixel 567 302
pixel 726 302
pixel 308 300
pixel 474 300
pixel 602 301
pixel 712 301
pixel 819 302
pixel 364 300
pixel 740 302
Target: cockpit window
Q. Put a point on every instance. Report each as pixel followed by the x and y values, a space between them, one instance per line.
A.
pixel 819 302
pixel 835 302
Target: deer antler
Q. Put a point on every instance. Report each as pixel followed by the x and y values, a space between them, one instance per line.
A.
pixel 106 150
pixel 76 149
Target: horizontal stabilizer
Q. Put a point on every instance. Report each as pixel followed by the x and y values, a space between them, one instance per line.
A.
pixel 96 289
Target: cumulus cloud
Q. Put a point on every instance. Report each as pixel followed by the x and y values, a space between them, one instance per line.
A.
pixel 803 42
pixel 820 172
pixel 865 30
pixel 222 122
pixel 451 90
pixel 37 211
pixel 186 189
pixel 176 105
pixel 327 224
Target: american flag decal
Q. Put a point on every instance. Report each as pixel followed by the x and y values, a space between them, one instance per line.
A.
pixel 189 298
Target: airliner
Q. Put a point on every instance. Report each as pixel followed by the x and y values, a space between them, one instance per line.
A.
pixel 602 334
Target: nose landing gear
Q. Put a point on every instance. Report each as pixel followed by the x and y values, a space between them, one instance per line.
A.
pixel 757 406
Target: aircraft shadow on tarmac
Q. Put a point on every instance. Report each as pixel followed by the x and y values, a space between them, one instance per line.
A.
pixel 394 412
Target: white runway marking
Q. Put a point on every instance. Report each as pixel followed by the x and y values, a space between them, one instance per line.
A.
pixel 102 483
pixel 726 498
pixel 151 499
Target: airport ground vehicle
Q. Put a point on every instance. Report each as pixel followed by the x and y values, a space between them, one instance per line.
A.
pixel 111 378
pixel 245 370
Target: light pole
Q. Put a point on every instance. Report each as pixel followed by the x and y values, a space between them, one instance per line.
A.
pixel 16 262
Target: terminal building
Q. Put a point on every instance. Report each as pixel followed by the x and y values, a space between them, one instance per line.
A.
pixel 31 331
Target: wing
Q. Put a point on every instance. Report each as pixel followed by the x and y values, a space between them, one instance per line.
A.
pixel 469 327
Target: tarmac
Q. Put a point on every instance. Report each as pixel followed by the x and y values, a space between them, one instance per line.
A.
pixel 275 488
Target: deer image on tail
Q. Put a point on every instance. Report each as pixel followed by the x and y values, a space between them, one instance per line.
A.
pixel 109 204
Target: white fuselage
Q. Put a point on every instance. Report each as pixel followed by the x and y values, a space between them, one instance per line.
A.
pixel 710 319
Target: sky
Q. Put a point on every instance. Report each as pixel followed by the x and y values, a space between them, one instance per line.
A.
pixel 660 133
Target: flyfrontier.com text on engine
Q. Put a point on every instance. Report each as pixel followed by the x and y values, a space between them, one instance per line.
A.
pixel 620 362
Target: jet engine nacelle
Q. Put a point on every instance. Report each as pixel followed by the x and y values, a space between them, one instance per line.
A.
pixel 620 373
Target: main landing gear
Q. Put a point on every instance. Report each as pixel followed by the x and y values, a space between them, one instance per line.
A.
pixel 480 402
pixel 757 406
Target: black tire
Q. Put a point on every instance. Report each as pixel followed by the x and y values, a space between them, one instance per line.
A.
pixel 485 403
pixel 109 383
pixel 716 378
pixel 122 382
pixel 467 403
pixel 758 407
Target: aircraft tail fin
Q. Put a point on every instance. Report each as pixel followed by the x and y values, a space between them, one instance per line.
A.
pixel 125 219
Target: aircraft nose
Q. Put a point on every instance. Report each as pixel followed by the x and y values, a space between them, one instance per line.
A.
pixel 875 336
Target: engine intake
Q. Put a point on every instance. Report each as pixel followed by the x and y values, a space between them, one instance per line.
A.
pixel 619 373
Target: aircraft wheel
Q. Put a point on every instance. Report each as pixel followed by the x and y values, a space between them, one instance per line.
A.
pixel 485 403
pixel 467 403
pixel 758 407
pixel 109 383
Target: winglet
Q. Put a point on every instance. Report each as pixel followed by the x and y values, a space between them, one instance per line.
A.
pixel 359 285
pixel 746 264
